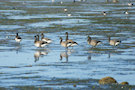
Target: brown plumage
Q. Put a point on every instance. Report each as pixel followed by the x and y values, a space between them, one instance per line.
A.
pixel 93 42
pixel 45 39
pixel 114 42
pixel 73 43
pixel 39 43
pixel 64 43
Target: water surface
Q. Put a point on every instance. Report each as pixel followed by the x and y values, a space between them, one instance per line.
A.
pixel 55 67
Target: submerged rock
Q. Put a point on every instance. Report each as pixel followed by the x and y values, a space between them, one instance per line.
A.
pixel 124 83
pixel 74 85
pixel 107 80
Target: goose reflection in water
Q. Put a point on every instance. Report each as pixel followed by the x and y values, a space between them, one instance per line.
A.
pixel 89 57
pixel 65 54
pixel 92 53
pixel 39 53
pixel 113 53
pixel 18 48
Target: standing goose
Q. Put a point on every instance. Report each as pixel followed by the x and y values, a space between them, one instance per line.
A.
pixel 73 43
pixel 64 43
pixel 45 39
pixel 18 38
pixel 93 42
pixel 65 10
pixel 39 43
pixel 114 42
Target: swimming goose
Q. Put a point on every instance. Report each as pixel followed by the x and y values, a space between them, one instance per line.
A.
pixel 93 42
pixel 73 43
pixel 45 39
pixel 68 15
pixel 64 43
pixel 18 38
pixel 65 9
pixel 126 13
pixel 104 13
pixel 130 4
pixel 114 42
pixel 39 43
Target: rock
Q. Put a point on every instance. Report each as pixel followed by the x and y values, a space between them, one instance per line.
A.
pixel 74 85
pixel 124 83
pixel 107 80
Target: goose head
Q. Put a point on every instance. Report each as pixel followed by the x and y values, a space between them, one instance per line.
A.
pixel 42 35
pixel 89 38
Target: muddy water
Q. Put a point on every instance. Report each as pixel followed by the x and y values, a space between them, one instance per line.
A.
pixel 22 64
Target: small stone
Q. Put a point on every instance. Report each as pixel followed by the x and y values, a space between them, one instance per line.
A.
pixel 124 83
pixel 93 87
pixel 107 80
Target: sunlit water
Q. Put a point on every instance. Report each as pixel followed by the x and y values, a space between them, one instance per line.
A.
pixel 21 66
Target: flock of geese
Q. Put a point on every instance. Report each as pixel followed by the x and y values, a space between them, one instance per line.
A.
pixel 67 43
pixel 126 12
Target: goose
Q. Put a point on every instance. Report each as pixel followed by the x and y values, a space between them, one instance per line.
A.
pixel 39 43
pixel 18 38
pixel 45 39
pixel 93 42
pixel 64 43
pixel 114 42
pixel 130 4
pixel 68 15
pixel 104 13
pixel 61 2
pixel 126 13
pixel 73 43
pixel 65 9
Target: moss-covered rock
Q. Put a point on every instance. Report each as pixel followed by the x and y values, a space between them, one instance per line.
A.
pixel 107 80
pixel 124 83
pixel 74 85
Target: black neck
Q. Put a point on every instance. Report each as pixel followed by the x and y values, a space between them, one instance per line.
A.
pixel 37 37
pixel 42 36
pixel 109 38
pixel 16 34
pixel 60 40
pixel 66 37
pixel 89 38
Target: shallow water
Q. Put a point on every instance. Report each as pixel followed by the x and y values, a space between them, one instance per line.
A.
pixel 22 64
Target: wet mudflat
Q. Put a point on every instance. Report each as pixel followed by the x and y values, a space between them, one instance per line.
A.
pixel 22 65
